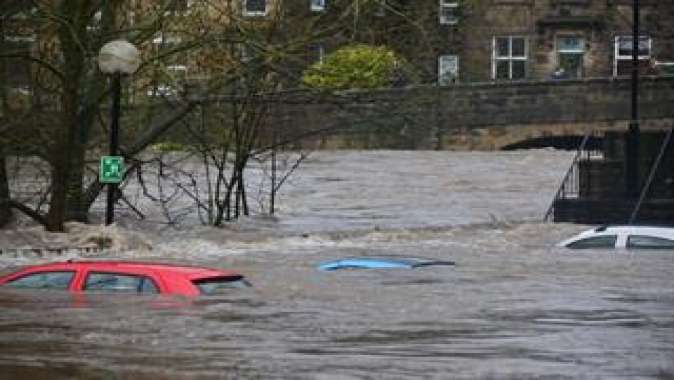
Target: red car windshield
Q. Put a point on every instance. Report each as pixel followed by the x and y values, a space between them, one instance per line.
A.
pixel 220 285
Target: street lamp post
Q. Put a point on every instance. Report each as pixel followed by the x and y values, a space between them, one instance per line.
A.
pixel 632 153
pixel 116 58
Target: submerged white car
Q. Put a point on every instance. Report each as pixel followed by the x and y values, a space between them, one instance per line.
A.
pixel 630 237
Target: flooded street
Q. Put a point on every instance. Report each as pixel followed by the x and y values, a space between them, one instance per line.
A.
pixel 513 307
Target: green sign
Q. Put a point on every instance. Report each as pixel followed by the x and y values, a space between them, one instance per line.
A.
pixel 112 169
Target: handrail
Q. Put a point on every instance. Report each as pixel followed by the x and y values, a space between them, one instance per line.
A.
pixel 651 176
pixel 576 158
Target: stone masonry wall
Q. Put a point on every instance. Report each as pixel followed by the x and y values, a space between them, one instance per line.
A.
pixel 489 115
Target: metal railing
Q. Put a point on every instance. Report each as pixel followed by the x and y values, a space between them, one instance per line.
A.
pixel 569 188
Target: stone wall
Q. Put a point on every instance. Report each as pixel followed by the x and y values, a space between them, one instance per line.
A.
pixel 488 115
pixel 589 100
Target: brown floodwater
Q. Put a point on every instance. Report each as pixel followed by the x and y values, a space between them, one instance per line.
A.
pixel 513 306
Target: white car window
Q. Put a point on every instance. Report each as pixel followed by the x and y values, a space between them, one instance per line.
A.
pixel 607 241
pixel 649 242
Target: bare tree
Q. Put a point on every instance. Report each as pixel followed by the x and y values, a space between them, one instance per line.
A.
pixel 212 58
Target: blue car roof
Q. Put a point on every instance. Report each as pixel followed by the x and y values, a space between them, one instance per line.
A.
pixel 380 263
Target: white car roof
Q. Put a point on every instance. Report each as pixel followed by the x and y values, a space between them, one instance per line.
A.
pixel 663 232
pixel 644 230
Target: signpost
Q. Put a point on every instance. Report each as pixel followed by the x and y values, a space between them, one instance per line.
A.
pixel 111 170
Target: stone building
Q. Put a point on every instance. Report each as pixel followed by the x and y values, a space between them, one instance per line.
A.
pixel 444 40
pixel 497 40
pixel 533 39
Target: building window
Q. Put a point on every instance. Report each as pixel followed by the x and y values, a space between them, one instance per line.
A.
pixel 622 64
pixel 509 58
pixel 18 10
pixel 449 12
pixel 570 52
pixel 177 6
pixel 380 10
pixel 95 22
pixel 18 67
pixel 254 7
pixel 448 69
pixel 168 80
pixel 166 45
pixel 318 5
pixel 316 53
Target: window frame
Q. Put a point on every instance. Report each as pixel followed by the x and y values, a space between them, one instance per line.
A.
pixel 617 57
pixel 141 276
pixel 510 58
pixel 181 10
pixel 162 88
pixel 443 79
pixel 167 89
pixel 580 50
pixel 29 42
pixel 317 51
pixel 571 51
pixel 317 5
pixel 248 13
pixel 448 6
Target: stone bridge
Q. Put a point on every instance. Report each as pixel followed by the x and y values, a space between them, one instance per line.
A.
pixel 496 115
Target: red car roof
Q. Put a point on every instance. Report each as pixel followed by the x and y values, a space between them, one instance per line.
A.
pixel 191 272
pixel 169 278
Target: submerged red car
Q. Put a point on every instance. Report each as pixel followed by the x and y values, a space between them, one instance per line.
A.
pixel 125 277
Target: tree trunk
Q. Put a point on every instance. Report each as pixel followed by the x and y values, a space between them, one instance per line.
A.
pixel 60 159
pixel 67 144
pixel 76 206
pixel 5 209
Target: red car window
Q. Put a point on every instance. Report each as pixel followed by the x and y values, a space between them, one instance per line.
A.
pixel 220 285
pixel 43 280
pixel 119 283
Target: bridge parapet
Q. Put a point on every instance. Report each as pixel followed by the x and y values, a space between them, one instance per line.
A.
pixel 492 115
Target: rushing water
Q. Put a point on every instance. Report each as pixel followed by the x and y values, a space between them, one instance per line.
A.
pixel 513 306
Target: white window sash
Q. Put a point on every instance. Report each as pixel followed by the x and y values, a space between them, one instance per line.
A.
pixel 448 5
pixel 629 56
pixel 445 74
pixel 317 5
pixel 177 68
pixel 246 12
pixel 579 50
pixel 510 57
pixel 618 57
pixel 161 39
